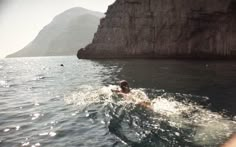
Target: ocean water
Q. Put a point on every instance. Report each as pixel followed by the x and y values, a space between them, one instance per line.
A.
pixel 45 104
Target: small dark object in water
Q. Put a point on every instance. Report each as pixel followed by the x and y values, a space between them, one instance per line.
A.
pixel 62 65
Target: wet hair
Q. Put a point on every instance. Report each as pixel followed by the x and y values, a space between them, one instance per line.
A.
pixel 124 86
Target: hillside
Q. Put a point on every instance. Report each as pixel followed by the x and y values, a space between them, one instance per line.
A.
pixel 67 32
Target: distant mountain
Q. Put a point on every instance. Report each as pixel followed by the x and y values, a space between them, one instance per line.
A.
pixel 67 32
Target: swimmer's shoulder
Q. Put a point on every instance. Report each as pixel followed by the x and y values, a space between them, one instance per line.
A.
pixel 115 90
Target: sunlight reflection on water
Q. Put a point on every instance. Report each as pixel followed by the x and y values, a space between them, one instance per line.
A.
pixel 44 104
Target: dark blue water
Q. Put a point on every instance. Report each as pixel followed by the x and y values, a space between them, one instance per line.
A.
pixel 45 104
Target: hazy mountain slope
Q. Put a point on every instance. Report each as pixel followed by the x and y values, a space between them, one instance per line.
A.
pixel 67 32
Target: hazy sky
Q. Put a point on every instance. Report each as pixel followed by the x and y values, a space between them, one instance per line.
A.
pixel 21 20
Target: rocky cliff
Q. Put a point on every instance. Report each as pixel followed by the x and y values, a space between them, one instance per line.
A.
pixel 69 30
pixel 166 28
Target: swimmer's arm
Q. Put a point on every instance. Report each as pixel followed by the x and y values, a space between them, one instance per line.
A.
pixel 231 142
pixel 145 104
pixel 115 90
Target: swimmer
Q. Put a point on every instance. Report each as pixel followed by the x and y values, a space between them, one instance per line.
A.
pixel 125 89
pixel 231 142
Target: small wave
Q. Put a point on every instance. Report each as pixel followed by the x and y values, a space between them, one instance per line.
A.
pixel 39 77
pixel 4 84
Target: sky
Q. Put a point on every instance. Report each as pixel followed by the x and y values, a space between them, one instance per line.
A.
pixel 21 20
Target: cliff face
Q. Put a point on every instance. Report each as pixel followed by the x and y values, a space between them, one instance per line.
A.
pixel 166 28
pixel 69 30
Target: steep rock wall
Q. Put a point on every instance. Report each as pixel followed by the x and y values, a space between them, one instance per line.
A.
pixel 166 28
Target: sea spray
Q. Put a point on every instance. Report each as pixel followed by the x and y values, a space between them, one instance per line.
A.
pixel 203 126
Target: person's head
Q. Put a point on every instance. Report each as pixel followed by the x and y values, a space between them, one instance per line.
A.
pixel 124 86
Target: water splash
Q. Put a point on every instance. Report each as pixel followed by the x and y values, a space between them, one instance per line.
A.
pixel 176 122
pixel 207 127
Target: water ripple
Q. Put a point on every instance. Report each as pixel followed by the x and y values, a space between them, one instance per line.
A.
pixel 50 105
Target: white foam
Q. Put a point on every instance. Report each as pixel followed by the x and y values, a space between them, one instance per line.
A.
pixel 209 127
